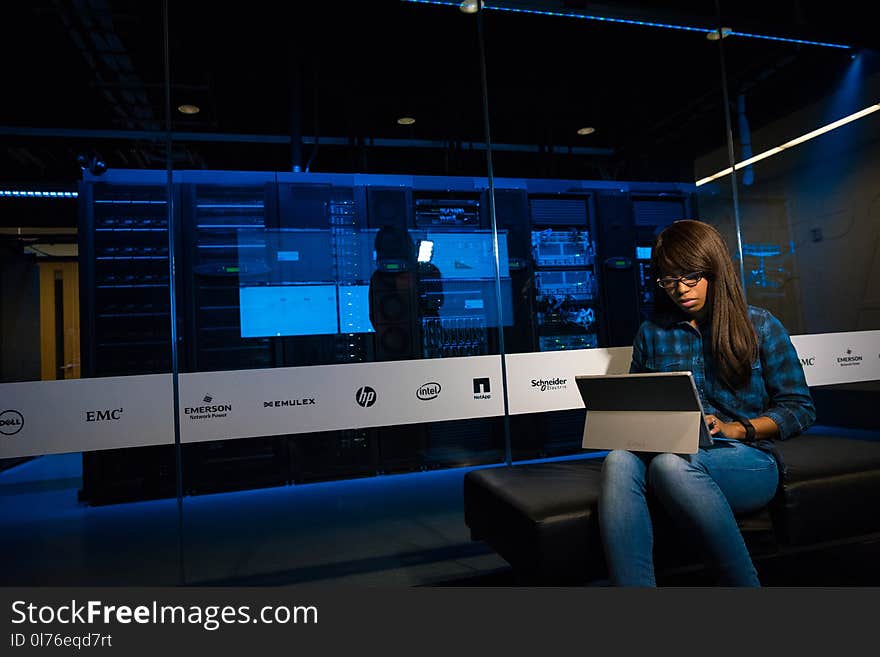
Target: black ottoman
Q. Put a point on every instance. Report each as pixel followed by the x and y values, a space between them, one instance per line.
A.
pixel 540 517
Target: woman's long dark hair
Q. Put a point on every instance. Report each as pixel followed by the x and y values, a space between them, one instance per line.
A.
pixel 689 246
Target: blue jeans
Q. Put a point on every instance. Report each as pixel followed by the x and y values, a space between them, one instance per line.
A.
pixel 701 492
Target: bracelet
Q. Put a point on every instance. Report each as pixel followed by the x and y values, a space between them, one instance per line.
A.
pixel 750 430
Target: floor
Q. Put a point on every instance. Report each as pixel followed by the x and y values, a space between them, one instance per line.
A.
pixel 396 530
pixel 399 530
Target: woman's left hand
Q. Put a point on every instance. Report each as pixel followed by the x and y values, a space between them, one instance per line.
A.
pixel 726 429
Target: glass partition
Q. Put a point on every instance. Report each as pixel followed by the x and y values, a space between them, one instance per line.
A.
pixel 339 287
pixel 282 278
pixel 87 461
pixel 599 144
pixel 804 135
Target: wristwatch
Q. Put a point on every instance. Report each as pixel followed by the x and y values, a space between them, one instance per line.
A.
pixel 750 430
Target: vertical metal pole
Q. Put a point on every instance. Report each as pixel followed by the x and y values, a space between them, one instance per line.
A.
pixel 731 155
pixel 178 457
pixel 508 456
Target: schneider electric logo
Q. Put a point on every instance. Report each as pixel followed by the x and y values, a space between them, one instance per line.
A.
pixel 104 416
pixel 428 391
pixel 365 396
pixel 482 389
pixel 850 359
pixel 209 411
pixel 11 422
pixel 549 384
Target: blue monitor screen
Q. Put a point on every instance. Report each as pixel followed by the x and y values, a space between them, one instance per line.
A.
pixel 275 310
pixel 292 255
pixel 468 255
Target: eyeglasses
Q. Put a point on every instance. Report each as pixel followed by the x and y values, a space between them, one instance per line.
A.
pixel 671 282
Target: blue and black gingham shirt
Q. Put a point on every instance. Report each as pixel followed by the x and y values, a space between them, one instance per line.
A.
pixel 777 388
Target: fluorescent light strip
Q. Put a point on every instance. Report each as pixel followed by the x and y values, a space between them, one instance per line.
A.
pixel 626 21
pixel 794 142
pixel 27 193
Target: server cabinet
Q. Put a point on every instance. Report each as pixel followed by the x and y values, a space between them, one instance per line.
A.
pixel 125 323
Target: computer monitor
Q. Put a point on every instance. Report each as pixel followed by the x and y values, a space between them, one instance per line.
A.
pixel 468 254
pixel 278 310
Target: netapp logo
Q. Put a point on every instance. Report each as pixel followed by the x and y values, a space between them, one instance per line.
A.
pixel 11 422
pixel 365 396
pixel 279 403
pixel 808 362
pixel 482 389
pixel 428 391
pixel 550 384
pixel 104 416
pixel 207 412
pixel 849 359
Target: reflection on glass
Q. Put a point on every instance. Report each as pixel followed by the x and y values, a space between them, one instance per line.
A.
pixel 298 282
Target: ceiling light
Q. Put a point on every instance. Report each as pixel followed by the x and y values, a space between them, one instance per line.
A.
pixel 712 35
pixel 188 109
pixel 586 131
pixel 406 120
pixel 794 142
pixel 469 6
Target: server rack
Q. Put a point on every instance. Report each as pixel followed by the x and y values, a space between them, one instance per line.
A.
pixel 563 294
pixel 224 230
pixel 568 311
pixel 125 322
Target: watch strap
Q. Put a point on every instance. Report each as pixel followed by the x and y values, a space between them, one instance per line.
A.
pixel 750 430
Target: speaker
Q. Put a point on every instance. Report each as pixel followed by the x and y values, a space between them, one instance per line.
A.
pixel 393 314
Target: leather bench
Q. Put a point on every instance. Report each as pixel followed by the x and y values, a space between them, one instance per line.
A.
pixel 541 517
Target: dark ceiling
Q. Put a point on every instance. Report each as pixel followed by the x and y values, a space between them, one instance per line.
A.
pixel 343 72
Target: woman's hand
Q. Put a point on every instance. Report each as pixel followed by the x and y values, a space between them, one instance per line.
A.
pixel 727 429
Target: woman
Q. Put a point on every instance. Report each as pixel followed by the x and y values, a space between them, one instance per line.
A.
pixel 753 391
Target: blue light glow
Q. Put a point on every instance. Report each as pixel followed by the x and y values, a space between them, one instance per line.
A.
pixel 607 19
pixel 16 193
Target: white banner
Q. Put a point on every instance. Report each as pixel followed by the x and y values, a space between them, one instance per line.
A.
pixel 245 403
pixel 544 381
pixel 54 417
pixel 839 357
pixel 50 417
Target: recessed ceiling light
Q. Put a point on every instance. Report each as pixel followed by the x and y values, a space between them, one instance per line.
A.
pixel 586 131
pixel 713 34
pixel 406 120
pixel 188 109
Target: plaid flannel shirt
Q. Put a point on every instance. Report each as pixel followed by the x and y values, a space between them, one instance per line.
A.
pixel 776 389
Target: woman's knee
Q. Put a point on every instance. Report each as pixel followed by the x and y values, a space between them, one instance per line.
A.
pixel 669 468
pixel 620 462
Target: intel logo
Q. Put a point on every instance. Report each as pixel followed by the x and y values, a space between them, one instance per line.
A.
pixel 428 391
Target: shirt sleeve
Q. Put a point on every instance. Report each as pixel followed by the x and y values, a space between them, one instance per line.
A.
pixel 640 352
pixel 790 404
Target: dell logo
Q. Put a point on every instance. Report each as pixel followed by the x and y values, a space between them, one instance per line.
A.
pixel 428 391
pixel 365 396
pixel 11 422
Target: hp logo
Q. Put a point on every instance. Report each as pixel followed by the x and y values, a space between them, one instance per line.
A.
pixel 365 396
